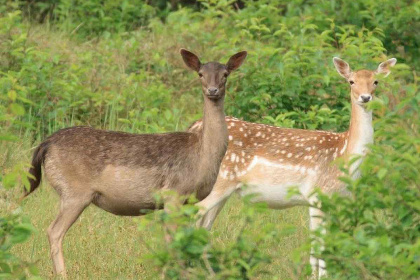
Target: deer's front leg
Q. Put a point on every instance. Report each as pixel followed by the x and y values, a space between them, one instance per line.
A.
pixel 214 202
pixel 318 265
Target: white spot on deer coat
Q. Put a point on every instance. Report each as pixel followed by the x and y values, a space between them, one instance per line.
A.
pixel 237 143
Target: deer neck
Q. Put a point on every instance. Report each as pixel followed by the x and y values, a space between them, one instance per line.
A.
pixel 214 136
pixel 360 134
pixel 361 130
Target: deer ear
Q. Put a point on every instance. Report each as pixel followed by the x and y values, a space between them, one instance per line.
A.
pixel 342 67
pixel 236 60
pixel 383 68
pixel 191 60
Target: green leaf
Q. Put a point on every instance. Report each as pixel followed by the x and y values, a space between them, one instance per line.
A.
pixel 12 95
pixel 9 137
pixel 9 180
pixel 382 172
pixel 17 109
pixel 21 233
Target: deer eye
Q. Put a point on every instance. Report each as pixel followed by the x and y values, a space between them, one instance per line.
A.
pixel 225 75
pixel 200 75
pixel 375 83
pixel 351 82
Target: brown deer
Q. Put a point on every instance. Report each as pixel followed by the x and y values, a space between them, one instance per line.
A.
pixel 120 172
pixel 270 160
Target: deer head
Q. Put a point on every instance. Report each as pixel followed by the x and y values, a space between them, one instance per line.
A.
pixel 363 82
pixel 213 75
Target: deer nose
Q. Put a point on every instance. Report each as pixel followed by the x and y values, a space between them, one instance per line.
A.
pixel 365 98
pixel 212 90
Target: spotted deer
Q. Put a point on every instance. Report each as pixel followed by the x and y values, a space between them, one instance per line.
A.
pixel 120 172
pixel 270 160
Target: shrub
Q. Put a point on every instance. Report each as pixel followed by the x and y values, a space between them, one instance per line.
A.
pixel 183 251
pixel 14 228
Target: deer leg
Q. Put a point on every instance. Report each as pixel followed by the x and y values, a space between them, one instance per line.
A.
pixel 213 204
pixel 70 210
pixel 208 219
pixel 318 265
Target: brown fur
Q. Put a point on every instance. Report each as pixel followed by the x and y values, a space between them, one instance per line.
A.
pixel 121 172
pixel 165 157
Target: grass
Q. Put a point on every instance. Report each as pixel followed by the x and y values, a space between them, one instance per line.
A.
pixel 103 246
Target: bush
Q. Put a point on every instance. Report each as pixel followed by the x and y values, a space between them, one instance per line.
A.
pixel 58 89
pixel 183 251
pixel 87 18
pixel 14 228
pixel 288 79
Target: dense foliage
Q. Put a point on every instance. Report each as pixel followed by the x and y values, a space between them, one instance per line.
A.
pixel 183 251
pixel 115 65
pixel 14 230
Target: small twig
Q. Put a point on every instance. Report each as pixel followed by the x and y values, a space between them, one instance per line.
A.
pixel 207 264
pixel 77 28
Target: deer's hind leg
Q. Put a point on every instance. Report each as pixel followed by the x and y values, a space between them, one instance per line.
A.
pixel 70 209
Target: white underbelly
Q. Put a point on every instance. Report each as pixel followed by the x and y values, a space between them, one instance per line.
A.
pixel 274 182
pixel 276 196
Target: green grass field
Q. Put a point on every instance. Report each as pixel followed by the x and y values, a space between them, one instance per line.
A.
pixel 104 246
